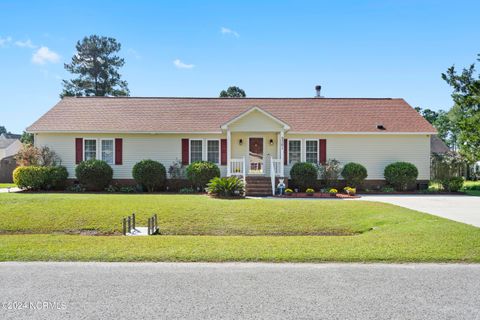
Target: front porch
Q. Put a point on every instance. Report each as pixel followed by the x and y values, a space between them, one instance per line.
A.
pixel 255 147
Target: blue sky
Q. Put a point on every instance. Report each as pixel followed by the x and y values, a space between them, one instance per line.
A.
pixel 268 48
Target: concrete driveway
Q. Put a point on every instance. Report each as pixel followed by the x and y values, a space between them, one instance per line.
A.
pixel 460 208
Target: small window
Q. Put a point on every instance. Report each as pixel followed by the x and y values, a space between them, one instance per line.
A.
pixel 213 151
pixel 90 149
pixel 311 151
pixel 196 150
pixel 294 151
pixel 107 151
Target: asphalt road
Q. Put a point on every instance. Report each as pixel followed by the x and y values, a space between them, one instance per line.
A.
pixel 238 291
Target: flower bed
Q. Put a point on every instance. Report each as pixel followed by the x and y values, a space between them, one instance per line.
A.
pixel 318 195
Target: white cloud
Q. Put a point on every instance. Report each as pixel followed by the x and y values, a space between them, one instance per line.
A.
pixel 228 31
pixel 25 44
pixel 181 65
pixel 5 41
pixel 44 55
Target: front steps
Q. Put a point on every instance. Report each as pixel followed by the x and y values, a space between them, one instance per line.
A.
pixel 258 186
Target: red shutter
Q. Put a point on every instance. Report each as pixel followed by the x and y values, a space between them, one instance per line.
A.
pixel 78 150
pixel 323 150
pixel 223 151
pixel 185 151
pixel 285 151
pixel 118 151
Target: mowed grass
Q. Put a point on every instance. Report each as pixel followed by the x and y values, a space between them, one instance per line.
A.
pixel 193 214
pixel 472 188
pixel 7 185
pixel 202 229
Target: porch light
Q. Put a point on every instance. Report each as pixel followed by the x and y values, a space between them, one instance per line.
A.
pixel 271 142
pixel 240 142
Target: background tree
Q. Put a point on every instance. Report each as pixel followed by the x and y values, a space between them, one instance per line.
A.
pixel 96 65
pixel 233 92
pixel 445 124
pixel 466 109
pixel 27 138
pixel 3 130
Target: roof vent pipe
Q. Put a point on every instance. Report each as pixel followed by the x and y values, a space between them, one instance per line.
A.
pixel 318 89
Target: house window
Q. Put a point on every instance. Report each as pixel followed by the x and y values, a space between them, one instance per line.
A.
pixel 311 151
pixel 90 149
pixel 107 151
pixel 213 151
pixel 196 150
pixel 294 151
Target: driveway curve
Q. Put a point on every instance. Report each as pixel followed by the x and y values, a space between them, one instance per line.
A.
pixel 459 208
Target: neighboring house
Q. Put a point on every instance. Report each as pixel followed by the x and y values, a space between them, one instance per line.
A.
pixel 438 146
pixel 9 146
pixel 244 136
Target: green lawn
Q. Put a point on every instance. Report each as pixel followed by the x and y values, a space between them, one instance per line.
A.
pixel 198 228
pixel 472 188
pixel 7 185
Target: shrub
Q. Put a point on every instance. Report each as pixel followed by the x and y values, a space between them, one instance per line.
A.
pixel 350 191
pixel 354 174
pixel 201 172
pixel 226 187
pixel 176 170
pixel 401 175
pixel 76 188
pixel 333 191
pixel 150 174
pixel 40 178
pixel 304 175
pixel 453 184
pixel 30 155
pixel 288 190
pixel 187 190
pixel 57 177
pixel 94 174
pixel 330 171
pixel 310 190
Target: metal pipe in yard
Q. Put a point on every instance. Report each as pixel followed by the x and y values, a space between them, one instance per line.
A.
pixel 133 221
pixel 124 226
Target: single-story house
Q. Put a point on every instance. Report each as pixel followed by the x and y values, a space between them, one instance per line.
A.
pixel 249 137
pixel 9 146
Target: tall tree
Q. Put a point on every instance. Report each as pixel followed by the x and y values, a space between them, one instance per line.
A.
pixel 445 124
pixel 233 92
pixel 3 130
pixel 97 66
pixel 466 98
pixel 26 138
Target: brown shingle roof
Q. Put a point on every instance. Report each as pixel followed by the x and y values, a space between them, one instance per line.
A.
pixel 106 114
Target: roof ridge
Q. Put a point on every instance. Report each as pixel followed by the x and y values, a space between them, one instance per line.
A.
pixel 218 98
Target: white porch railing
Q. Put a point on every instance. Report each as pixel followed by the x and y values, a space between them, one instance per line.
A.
pixel 275 171
pixel 237 167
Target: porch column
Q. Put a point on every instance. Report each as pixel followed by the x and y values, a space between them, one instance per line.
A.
pixel 229 138
pixel 282 152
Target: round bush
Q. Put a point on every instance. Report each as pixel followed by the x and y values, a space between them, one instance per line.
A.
pixel 201 172
pixel 454 184
pixel 354 174
pixel 94 175
pixel 150 174
pixel 401 175
pixel 304 175
pixel 57 177
pixel 40 178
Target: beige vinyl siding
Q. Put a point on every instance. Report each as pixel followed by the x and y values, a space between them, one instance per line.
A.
pixel 165 148
pixel 375 152
pixel 255 121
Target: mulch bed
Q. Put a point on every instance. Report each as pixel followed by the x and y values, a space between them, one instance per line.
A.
pixel 318 195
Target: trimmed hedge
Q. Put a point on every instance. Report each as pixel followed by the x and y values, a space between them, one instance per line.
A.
pixel 401 175
pixel 150 174
pixel 453 184
pixel 94 175
pixel 201 172
pixel 304 175
pixel 40 178
pixel 354 174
